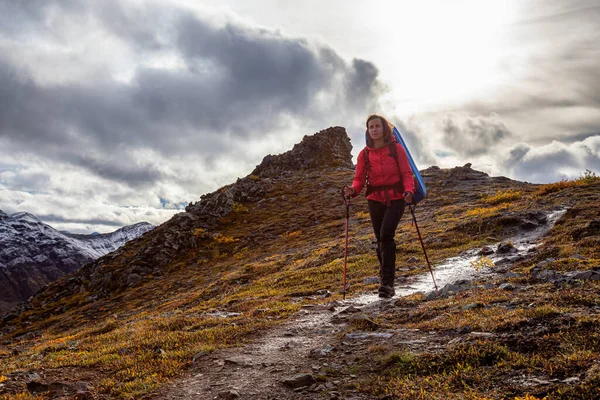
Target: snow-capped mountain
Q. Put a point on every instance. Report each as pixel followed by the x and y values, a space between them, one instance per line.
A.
pixel 33 254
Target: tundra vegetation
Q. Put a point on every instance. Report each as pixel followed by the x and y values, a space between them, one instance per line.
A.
pixel 262 262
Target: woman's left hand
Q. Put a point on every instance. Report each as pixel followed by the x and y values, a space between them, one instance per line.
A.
pixel 348 191
pixel 408 197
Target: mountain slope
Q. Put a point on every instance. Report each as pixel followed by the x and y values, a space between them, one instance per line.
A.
pixel 33 254
pixel 253 253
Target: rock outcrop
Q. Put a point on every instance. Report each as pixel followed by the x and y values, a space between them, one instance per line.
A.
pixel 329 148
pixel 326 149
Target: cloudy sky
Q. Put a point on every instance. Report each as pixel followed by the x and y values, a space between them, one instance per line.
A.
pixel 119 111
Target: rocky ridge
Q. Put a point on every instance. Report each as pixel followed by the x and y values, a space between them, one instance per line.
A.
pixel 329 148
pixel 326 149
pixel 147 301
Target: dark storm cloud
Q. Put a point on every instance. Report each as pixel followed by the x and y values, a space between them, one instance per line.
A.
pixel 56 115
pixel 133 23
pixel 362 87
pixel 252 72
pixel 96 128
pixel 473 136
pixel 236 82
pixel 71 124
pixel 119 170
pixel 19 18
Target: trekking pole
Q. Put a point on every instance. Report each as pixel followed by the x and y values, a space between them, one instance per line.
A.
pixel 412 211
pixel 347 202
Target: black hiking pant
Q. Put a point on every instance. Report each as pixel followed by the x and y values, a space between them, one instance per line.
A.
pixel 385 221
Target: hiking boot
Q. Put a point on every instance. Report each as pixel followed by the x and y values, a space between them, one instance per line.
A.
pixel 386 292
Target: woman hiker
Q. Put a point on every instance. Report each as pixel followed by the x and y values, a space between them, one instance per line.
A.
pixel 390 185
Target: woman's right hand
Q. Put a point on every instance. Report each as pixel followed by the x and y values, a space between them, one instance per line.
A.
pixel 348 191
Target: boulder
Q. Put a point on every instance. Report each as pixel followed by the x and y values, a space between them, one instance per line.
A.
pixel 485 251
pixel 229 395
pixel 450 289
pixel 133 279
pixel 506 248
pixel 507 286
pixel 363 322
pixel 299 380
pixel 321 351
pixel 528 225
pixel 371 280
pixel 585 275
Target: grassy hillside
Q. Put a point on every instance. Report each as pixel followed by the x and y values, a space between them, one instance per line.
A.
pixel 542 340
pixel 267 258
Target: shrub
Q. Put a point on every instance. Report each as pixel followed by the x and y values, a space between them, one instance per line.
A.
pixel 555 187
pixel 484 212
pixel 362 215
pixel 588 177
pixel 239 208
pixel 201 233
pixel 224 239
pixel 241 254
pixel 290 235
pixel 502 196
pixel 481 263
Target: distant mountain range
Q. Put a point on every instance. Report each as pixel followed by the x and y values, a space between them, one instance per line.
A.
pixel 33 254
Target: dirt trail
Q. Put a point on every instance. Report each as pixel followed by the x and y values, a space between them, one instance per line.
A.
pixel 256 370
pixel 308 344
pixel 312 343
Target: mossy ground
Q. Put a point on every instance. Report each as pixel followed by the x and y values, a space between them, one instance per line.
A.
pixel 264 261
pixel 542 341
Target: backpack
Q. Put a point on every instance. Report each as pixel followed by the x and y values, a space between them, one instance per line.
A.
pixel 420 189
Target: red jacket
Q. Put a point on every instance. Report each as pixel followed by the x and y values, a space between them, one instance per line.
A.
pixel 383 171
